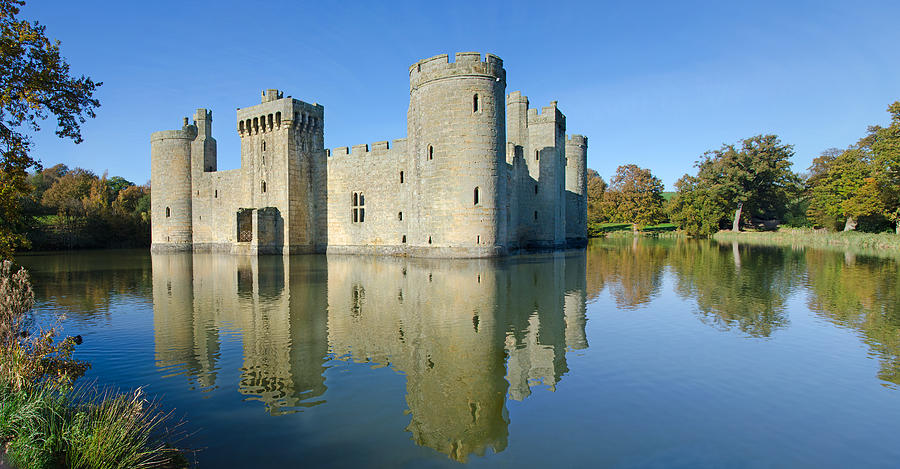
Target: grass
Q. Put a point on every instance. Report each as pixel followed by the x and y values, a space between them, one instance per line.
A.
pixel 605 229
pixel 45 422
pixel 49 427
pixel 814 238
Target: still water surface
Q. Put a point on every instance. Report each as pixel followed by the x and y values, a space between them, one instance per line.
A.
pixel 644 353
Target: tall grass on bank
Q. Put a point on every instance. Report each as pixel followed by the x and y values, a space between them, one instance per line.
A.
pixel 814 238
pixel 597 230
pixel 47 422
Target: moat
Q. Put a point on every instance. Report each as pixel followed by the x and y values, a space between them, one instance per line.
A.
pixel 631 353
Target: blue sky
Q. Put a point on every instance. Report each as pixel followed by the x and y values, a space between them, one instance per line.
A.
pixel 650 83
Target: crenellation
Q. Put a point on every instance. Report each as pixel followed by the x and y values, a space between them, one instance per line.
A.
pixel 479 174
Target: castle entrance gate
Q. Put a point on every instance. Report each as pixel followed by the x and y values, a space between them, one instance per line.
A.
pixel 245 225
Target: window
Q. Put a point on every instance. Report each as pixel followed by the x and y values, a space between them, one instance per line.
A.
pixel 475 196
pixel 401 177
pixel 430 152
pixel 478 239
pixel 216 194
pixel 358 207
pixel 263 145
pixel 429 240
pixel 168 212
pixel 400 216
pixel 535 215
pixel 262 187
pixel 403 239
pixel 535 189
pixel 475 103
pixel 537 155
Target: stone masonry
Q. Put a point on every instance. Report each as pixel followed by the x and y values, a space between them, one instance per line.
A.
pixel 480 174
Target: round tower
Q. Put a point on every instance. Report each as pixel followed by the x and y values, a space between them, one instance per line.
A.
pixel 576 189
pixel 170 195
pixel 457 151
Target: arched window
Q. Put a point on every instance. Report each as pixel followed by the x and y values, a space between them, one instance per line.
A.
pixel 241 127
pixel 430 152
pixel 168 212
pixel 358 208
pixel 263 145
pixel 278 119
pixel 403 239
pixel 216 194
pixel 429 240
pixel 478 241
pixel 262 186
pixel 475 103
pixel 537 155
pixel 475 194
pixel 401 177
pixel 400 216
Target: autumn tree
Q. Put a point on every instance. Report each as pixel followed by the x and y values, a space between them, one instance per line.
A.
pixel 635 196
pixel 67 195
pixel 35 84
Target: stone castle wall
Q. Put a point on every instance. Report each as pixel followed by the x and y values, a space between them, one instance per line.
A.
pixel 464 183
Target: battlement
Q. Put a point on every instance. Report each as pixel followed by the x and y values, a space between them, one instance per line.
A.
pixel 516 97
pixel 270 94
pixel 277 112
pixel 188 131
pixel 577 140
pixel 549 113
pixel 468 64
pixel 363 149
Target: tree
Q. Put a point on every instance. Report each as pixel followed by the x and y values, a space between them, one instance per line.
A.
pixel 35 83
pixel 885 145
pixel 635 196
pixel 67 195
pixel 596 186
pixel 839 179
pixel 697 210
pixel 752 178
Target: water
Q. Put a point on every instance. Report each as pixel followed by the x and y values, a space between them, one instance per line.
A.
pixel 643 353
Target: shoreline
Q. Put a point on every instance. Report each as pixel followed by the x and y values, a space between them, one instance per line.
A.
pixel 870 243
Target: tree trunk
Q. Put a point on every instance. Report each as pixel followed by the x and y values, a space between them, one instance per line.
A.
pixel 737 218
pixel 850 225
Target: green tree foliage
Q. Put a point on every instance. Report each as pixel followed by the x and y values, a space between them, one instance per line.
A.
pixel 596 187
pixel 886 158
pixel 751 179
pixel 859 183
pixel 635 196
pixel 35 83
pixel 834 180
pixel 695 208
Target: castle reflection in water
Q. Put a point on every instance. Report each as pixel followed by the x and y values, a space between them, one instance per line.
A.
pixel 467 334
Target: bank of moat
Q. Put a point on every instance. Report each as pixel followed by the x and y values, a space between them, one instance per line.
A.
pixel 480 174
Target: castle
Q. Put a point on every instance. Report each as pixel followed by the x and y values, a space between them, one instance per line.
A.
pixel 479 175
